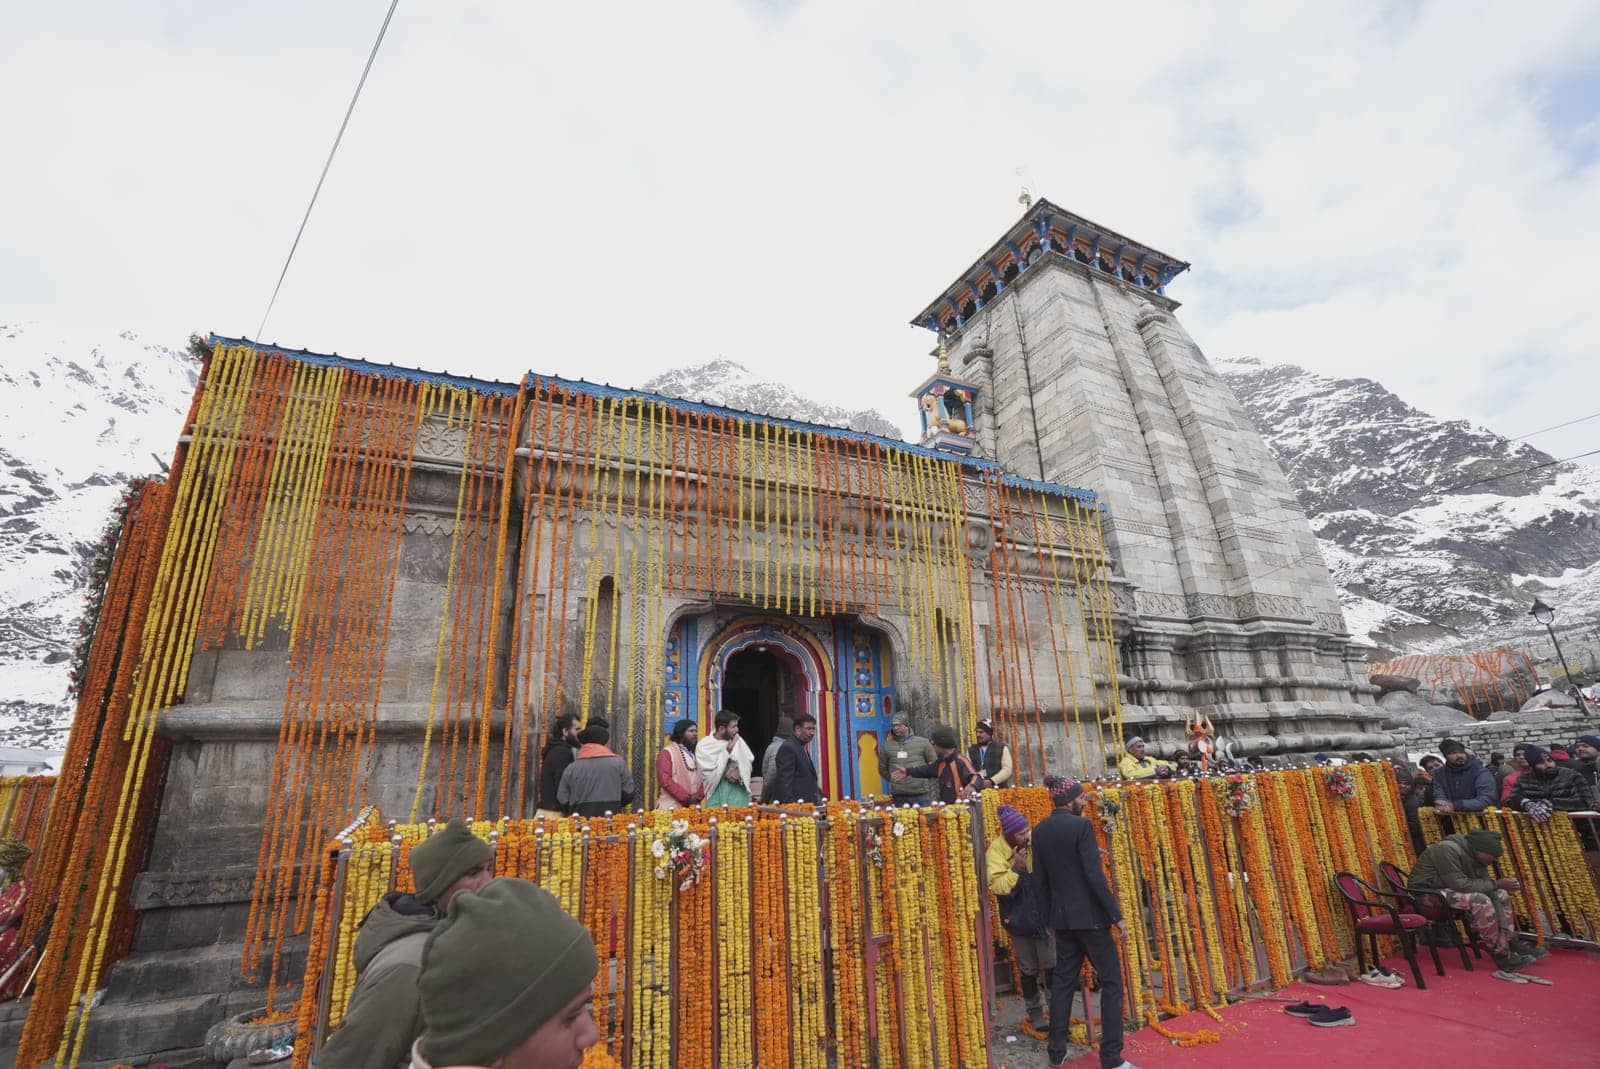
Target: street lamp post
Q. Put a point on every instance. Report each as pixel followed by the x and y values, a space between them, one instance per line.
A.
pixel 1545 615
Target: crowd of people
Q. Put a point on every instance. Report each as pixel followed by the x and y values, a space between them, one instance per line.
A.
pixel 580 775
pixel 468 970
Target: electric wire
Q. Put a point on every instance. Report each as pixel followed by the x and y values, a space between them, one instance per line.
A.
pixel 327 164
pixel 1557 427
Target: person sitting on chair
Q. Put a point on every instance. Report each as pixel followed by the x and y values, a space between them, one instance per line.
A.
pixel 1458 868
pixel 1136 765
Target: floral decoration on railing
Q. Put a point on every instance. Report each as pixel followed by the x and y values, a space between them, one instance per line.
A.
pixel 680 853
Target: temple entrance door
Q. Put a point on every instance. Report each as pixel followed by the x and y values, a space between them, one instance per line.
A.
pixel 760 686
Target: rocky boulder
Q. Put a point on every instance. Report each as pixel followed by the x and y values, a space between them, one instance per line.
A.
pixel 1549 699
pixel 1389 683
pixel 1403 709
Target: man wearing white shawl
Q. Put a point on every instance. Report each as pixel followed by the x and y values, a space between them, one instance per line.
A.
pixel 725 762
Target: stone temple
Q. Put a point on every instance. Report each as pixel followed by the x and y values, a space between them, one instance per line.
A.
pixel 391 582
pixel 1084 376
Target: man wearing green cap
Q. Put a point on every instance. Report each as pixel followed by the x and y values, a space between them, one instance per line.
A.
pixel 384 1016
pixel 1457 867
pixel 507 981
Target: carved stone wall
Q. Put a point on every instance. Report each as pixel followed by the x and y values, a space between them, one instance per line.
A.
pixel 1094 383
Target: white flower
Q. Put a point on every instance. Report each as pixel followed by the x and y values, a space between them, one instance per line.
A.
pixel 661 872
pixel 679 826
pixel 658 848
pixel 694 842
pixel 686 884
pixel 899 829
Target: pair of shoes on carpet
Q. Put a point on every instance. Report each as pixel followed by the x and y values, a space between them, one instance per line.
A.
pixel 1511 976
pixel 1378 977
pixel 1322 1016
pixel 1057 1065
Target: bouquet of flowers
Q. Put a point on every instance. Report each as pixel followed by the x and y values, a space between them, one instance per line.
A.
pixel 1110 809
pixel 680 853
pixel 875 847
pixel 1341 784
pixel 1237 797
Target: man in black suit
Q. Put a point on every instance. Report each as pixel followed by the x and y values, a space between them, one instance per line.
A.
pixel 1081 909
pixel 794 778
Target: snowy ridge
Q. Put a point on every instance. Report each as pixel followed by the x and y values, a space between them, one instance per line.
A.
pixel 83 414
pixel 732 385
pixel 1436 531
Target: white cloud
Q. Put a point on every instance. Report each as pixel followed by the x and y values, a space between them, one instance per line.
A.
pixel 609 190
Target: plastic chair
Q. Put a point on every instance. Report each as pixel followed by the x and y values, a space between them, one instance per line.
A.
pixel 1432 905
pixel 1372 917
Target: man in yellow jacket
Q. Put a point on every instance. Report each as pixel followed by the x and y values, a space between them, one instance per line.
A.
pixel 1009 864
pixel 1135 765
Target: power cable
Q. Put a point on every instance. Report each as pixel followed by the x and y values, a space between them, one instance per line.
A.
pixel 1557 427
pixel 329 163
pixel 1509 474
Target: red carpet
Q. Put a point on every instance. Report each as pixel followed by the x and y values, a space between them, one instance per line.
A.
pixel 1463 1020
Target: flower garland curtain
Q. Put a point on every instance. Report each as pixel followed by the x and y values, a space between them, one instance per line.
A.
pixel 776 981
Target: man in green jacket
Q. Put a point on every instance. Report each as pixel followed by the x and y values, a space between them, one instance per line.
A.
pixel 1457 868
pixel 384 1016
pixel 902 749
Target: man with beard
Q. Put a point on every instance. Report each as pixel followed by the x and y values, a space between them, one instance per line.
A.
pixel 1461 784
pixel 676 769
pixel 725 761
pixel 598 781
pixel 1547 786
pixel 557 754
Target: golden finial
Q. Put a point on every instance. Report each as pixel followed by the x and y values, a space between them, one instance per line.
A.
pixel 944 356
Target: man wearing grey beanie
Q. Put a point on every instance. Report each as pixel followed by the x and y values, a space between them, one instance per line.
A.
pixel 384 1016
pixel 507 981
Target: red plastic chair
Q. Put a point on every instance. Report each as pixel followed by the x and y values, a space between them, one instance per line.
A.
pixel 1432 905
pixel 1372 917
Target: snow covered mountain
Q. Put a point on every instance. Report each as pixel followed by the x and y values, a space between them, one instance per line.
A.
pixel 81 415
pixel 1439 533
pixel 732 385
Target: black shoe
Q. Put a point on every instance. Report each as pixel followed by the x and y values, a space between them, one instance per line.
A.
pixel 1332 1017
pixel 1303 1009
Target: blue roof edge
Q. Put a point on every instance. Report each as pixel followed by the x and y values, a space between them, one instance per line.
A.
pixel 366 367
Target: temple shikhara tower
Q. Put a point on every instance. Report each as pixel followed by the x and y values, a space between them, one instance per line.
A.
pixel 1082 375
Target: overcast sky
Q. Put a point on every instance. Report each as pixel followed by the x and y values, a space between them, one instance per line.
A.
pixel 1404 191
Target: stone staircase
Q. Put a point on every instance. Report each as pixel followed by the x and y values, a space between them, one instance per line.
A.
pixel 156 1006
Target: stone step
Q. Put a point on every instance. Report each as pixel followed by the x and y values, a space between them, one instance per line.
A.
pixel 168 1030
pixel 138 1032
pixel 151 976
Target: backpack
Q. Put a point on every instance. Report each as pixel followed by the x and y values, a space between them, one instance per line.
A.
pixel 1022 911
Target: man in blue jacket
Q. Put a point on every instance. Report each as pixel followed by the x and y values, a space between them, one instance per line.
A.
pixel 1462 784
pixel 1081 909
